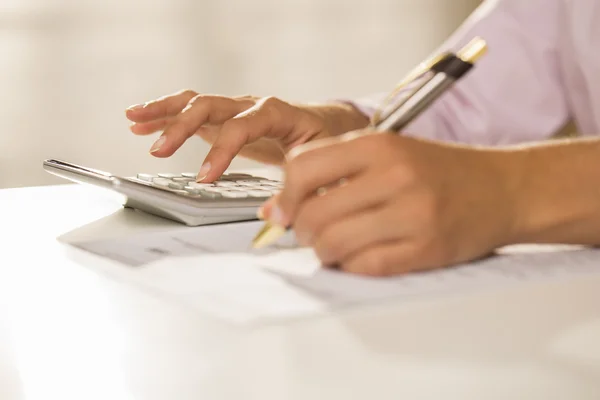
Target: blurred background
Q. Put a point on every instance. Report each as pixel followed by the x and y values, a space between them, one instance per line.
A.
pixel 69 68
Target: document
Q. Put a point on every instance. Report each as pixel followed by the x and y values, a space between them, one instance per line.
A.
pixel 214 271
pixel 140 249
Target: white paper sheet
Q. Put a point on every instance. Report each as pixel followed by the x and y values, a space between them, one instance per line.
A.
pixel 213 270
pixel 140 249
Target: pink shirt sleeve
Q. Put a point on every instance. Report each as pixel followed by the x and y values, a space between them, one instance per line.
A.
pixel 514 94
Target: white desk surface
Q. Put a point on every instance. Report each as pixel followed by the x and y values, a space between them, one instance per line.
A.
pixel 69 332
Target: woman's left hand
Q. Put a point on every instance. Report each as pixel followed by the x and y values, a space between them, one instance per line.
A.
pixel 403 204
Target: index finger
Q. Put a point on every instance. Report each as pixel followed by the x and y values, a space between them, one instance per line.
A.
pixel 266 118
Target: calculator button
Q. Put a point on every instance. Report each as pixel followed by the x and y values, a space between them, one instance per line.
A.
pixel 226 178
pixel 193 190
pixel 146 177
pixel 272 183
pixel 190 175
pixel 234 178
pixel 234 194
pixel 266 187
pixel 259 193
pixel 255 188
pixel 168 175
pixel 182 180
pixel 217 189
pixel 163 182
pixel 210 194
pixel 197 185
pixel 177 185
pixel 246 184
pixel 225 184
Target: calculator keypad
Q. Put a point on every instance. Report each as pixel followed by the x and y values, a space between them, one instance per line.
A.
pixel 229 186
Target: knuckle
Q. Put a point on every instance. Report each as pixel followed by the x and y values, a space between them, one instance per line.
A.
pixel 189 93
pixel 272 102
pixel 400 175
pixel 381 144
pixel 272 107
pixel 198 99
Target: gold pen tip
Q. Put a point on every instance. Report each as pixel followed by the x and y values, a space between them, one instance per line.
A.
pixel 267 235
pixel 473 51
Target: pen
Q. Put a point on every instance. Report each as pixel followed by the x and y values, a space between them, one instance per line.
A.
pixel 437 79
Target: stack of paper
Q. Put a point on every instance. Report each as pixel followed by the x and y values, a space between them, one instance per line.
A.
pixel 214 270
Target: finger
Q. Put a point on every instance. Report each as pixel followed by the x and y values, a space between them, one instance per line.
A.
pixel 163 107
pixel 264 212
pixel 385 259
pixel 360 193
pixel 317 168
pixel 147 128
pixel 261 120
pixel 200 110
pixel 351 235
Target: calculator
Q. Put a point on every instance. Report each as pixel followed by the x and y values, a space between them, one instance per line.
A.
pixel 234 197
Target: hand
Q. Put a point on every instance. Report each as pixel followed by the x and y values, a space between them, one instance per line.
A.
pixel 404 205
pixel 260 128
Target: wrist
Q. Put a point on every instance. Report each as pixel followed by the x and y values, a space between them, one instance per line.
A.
pixel 338 118
pixel 511 199
pixel 490 195
pixel 554 193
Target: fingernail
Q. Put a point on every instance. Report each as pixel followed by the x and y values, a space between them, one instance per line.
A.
pixel 203 172
pixel 260 214
pixel 135 107
pixel 276 216
pixel 158 144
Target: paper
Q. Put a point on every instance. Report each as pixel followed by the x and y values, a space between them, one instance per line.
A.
pixel 140 249
pixel 212 270
pixel 515 267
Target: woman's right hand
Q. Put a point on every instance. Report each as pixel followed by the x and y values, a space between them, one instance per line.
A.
pixel 263 129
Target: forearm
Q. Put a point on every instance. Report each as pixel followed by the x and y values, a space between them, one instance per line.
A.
pixel 556 192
